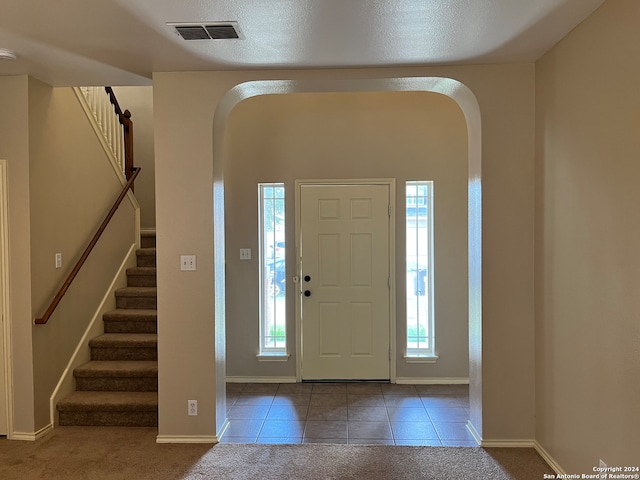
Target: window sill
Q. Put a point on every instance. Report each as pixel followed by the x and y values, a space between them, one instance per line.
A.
pixel 421 358
pixel 273 357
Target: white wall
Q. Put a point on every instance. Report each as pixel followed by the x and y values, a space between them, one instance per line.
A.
pixel 184 107
pixel 587 236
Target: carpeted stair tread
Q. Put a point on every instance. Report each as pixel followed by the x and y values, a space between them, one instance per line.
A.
pixel 110 401
pixel 124 347
pixel 117 376
pixel 118 368
pixel 141 277
pixel 125 340
pixel 132 314
pixel 136 292
pixel 146 257
pixel 141 271
pixel 131 320
pixel 137 297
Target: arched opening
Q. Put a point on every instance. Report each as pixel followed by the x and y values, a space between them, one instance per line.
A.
pixel 449 87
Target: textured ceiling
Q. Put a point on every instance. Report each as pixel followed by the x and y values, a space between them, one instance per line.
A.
pixel 121 42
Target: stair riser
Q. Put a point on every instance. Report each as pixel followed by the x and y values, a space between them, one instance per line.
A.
pixel 117 384
pixel 146 261
pixel 141 281
pixel 137 302
pixel 147 241
pixel 124 353
pixel 130 326
pixel 101 419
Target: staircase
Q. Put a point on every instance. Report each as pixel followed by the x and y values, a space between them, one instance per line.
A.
pixel 119 386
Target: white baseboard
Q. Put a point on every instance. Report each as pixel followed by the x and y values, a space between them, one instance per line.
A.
pixel 474 433
pixel 522 443
pixel 224 428
pixel 31 437
pixel 261 379
pixel 194 438
pixel 433 380
pixel 548 458
pixel 187 439
pixel 507 443
pixel 400 380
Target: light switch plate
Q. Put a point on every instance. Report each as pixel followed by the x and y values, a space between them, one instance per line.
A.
pixel 245 254
pixel 187 263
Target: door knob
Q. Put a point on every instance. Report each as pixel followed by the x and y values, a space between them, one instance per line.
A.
pixel 307 278
pixel 307 293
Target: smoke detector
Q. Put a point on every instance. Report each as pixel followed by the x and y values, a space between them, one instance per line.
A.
pixel 6 54
pixel 207 31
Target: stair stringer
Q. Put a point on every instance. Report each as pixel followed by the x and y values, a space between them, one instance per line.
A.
pixel 82 354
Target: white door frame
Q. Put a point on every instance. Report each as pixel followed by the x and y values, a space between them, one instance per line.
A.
pixel 391 183
pixel 5 320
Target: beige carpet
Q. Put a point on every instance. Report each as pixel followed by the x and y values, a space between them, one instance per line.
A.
pixel 132 454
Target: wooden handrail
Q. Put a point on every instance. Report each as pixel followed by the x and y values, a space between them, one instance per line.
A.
pixel 127 125
pixel 65 286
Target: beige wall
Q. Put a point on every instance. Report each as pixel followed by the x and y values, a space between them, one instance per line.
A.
pixel 14 148
pixel 60 186
pixel 139 101
pixel 401 135
pixel 72 187
pixel 184 107
pixel 587 234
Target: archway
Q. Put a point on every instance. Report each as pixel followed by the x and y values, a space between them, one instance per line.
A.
pixel 470 108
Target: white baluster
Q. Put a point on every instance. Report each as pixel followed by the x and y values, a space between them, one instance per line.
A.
pixel 121 145
pixel 96 102
pixel 99 113
pixel 107 121
pixel 99 101
pixel 105 116
pixel 92 103
pixel 116 138
pixel 85 94
pixel 110 130
pixel 114 132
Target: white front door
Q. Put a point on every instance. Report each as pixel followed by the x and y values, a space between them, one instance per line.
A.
pixel 345 303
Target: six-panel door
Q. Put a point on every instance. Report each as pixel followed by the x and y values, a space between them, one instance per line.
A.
pixel 345 304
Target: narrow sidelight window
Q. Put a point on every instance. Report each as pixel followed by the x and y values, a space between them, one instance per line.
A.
pixel 271 218
pixel 419 268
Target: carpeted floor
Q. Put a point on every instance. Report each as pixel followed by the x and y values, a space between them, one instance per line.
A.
pixel 107 453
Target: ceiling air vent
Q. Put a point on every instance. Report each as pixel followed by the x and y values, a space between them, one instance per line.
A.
pixel 221 31
pixel 207 31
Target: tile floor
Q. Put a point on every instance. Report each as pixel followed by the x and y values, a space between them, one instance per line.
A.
pixel 355 413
